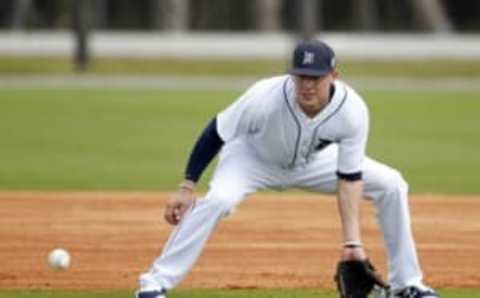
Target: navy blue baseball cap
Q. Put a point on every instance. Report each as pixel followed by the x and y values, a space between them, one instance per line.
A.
pixel 312 58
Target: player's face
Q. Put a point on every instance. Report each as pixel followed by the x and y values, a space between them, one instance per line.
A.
pixel 313 92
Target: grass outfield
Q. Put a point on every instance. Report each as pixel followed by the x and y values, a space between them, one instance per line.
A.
pixel 297 293
pixel 139 140
pixel 257 67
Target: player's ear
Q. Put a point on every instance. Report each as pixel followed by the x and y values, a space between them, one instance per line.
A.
pixel 335 74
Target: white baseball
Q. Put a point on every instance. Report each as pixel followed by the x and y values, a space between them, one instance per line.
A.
pixel 59 258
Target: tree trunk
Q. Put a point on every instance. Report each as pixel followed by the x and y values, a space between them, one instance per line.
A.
pixel 431 15
pixel 20 13
pixel 82 21
pixel 156 14
pixel 309 17
pixel 268 15
pixel 365 14
pixel 174 14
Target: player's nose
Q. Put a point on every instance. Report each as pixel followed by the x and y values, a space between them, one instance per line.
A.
pixel 307 84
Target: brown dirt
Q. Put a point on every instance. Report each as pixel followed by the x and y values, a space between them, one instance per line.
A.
pixel 272 241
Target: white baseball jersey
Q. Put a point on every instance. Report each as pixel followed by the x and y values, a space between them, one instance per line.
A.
pixel 269 118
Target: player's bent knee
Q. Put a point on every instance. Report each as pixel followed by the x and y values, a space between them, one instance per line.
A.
pixel 396 182
pixel 222 202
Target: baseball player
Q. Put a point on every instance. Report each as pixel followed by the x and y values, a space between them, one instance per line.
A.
pixel 306 129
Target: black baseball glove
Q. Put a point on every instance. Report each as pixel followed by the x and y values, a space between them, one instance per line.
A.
pixel 357 279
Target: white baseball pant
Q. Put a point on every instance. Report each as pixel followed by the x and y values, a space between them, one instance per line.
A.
pixel 240 173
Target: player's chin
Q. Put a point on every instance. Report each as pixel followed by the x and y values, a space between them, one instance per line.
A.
pixel 308 99
pixel 309 103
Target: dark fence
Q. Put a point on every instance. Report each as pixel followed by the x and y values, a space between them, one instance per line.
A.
pixel 248 15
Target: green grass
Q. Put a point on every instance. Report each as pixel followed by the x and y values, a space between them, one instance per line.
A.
pixel 270 293
pixel 95 139
pixel 431 137
pixel 105 139
pixel 54 65
pixel 410 68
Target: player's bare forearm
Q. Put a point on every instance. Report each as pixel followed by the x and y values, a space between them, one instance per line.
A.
pixel 349 194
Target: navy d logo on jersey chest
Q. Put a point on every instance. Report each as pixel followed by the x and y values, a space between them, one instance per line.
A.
pixel 323 143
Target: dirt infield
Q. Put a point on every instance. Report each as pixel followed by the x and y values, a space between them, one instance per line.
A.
pixel 284 240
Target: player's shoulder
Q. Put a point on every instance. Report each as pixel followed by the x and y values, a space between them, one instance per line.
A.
pixel 270 83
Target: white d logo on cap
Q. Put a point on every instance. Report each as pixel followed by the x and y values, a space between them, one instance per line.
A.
pixel 308 57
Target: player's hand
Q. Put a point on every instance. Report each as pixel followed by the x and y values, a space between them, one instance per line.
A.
pixel 177 206
pixel 354 254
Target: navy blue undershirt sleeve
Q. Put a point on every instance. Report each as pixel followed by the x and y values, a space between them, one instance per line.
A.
pixel 205 149
pixel 350 177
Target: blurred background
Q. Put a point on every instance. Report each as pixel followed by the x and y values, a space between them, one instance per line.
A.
pixel 217 29
pixel 111 94
pixel 254 15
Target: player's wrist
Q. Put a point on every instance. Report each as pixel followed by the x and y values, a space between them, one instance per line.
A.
pixel 352 244
pixel 187 185
pixel 353 252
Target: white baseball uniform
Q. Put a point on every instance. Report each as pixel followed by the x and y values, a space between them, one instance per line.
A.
pixel 271 143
